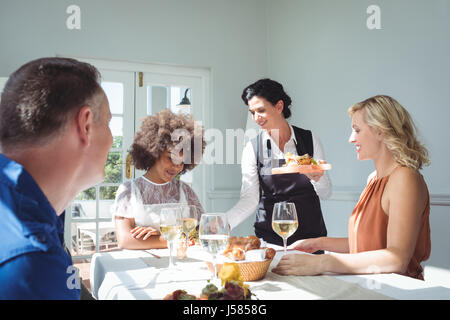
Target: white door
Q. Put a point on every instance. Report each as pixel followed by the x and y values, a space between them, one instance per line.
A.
pixel 89 227
pixel 132 96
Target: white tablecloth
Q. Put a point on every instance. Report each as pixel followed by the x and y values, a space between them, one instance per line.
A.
pixel 136 274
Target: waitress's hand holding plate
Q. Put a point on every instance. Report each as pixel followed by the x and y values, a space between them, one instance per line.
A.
pixel 316 175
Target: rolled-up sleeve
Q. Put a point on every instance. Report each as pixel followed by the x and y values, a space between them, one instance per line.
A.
pixel 249 195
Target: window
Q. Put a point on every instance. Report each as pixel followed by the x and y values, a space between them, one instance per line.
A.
pixel 132 96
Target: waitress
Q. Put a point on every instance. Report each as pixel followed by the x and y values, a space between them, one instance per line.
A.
pixel 269 105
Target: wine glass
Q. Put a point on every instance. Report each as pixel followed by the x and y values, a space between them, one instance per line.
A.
pixel 284 220
pixel 170 227
pixel 213 233
pixel 189 214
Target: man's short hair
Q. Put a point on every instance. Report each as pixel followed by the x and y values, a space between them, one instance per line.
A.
pixel 40 96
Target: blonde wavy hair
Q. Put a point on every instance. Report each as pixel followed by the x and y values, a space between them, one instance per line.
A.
pixel 385 115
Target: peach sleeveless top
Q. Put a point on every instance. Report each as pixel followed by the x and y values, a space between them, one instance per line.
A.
pixel 367 227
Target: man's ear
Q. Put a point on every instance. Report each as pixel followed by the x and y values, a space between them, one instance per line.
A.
pixel 84 121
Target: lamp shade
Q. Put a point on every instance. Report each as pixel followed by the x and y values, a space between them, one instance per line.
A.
pixel 185 100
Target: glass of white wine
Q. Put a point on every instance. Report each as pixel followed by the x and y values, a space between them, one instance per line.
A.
pixel 190 216
pixel 213 233
pixel 170 226
pixel 284 220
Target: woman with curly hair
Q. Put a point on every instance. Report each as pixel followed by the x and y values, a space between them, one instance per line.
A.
pixel 167 145
pixel 389 229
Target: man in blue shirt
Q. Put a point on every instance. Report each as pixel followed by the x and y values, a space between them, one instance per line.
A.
pixel 54 139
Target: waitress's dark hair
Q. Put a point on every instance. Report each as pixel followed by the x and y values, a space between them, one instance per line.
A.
pixel 270 90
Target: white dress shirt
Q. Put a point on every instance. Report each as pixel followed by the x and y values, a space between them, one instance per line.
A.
pixel 249 197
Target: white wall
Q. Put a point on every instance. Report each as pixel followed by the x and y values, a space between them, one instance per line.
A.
pixel 214 34
pixel 2 83
pixel 327 58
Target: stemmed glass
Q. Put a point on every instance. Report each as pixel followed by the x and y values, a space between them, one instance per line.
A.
pixel 189 214
pixel 213 233
pixel 170 227
pixel 284 220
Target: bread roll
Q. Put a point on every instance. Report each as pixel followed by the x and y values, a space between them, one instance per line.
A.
pixel 270 253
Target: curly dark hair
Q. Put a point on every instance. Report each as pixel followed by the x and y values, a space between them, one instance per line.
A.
pixel 166 131
pixel 270 90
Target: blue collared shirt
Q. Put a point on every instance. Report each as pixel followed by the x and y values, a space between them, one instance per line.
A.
pixel 33 262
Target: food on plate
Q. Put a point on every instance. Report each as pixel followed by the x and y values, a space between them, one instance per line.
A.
pixel 233 287
pixel 301 164
pixel 180 295
pixel 231 291
pixel 293 160
pixel 237 248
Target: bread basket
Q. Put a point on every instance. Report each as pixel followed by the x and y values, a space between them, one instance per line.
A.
pixel 250 271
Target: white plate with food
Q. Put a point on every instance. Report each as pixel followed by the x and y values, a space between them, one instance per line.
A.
pixel 301 164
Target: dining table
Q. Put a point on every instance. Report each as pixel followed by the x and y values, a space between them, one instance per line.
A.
pixel 144 275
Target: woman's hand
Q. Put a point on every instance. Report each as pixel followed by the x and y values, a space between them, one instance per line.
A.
pixel 144 232
pixel 299 265
pixel 307 245
pixel 316 175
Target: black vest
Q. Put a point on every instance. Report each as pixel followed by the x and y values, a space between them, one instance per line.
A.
pixel 290 187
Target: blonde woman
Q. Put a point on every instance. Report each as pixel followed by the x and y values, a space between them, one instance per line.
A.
pixel 388 230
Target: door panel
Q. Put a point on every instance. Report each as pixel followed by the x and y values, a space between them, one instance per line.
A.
pixel 92 229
